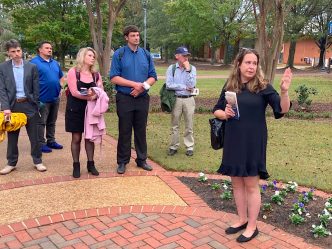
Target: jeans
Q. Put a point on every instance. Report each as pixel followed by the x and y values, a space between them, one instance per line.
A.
pixel 48 116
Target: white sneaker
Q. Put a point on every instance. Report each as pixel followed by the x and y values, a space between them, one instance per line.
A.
pixel 40 167
pixel 6 170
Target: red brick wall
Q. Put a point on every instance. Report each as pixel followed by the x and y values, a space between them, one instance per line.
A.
pixel 304 48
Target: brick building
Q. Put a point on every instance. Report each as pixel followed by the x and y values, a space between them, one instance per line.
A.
pixel 306 52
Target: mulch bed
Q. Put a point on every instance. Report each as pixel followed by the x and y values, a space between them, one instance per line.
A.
pixel 278 217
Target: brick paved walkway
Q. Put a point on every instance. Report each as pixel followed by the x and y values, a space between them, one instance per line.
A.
pixel 133 230
pixel 131 226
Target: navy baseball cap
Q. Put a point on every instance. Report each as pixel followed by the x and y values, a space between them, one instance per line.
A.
pixel 182 50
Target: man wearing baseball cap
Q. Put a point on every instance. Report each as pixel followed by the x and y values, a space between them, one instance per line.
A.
pixel 181 78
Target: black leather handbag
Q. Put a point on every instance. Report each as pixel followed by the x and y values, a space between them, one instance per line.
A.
pixel 217 133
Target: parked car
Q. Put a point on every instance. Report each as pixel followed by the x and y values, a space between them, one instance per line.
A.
pixel 156 55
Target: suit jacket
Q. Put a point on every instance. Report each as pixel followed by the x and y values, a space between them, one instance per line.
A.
pixel 8 85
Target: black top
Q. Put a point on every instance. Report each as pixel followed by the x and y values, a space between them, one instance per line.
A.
pixel 75 109
pixel 245 142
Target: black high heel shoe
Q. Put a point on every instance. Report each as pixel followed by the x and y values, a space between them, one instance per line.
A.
pixel 242 238
pixel 233 230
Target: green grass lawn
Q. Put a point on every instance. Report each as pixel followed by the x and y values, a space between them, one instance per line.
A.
pixel 207 87
pixel 322 84
pixel 210 88
pixel 161 71
pixel 298 150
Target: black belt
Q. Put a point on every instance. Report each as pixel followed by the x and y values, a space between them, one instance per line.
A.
pixel 21 100
pixel 184 96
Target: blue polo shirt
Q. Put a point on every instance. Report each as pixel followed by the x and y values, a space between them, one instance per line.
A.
pixel 50 74
pixel 132 65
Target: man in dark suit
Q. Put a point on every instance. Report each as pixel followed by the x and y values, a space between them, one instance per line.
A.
pixel 19 92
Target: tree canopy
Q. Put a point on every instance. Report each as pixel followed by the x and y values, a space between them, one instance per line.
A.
pixel 227 24
pixel 61 22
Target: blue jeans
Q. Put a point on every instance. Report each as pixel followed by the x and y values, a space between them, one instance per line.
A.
pixel 48 116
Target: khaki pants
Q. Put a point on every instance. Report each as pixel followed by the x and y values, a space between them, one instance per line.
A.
pixel 185 106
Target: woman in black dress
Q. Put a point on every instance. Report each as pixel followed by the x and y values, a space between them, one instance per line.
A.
pixel 80 79
pixel 244 152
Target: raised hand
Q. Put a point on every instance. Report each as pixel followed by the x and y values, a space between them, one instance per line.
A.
pixel 286 80
pixel 186 65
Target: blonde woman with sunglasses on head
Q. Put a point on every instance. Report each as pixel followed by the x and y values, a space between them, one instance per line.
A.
pixel 244 151
pixel 81 78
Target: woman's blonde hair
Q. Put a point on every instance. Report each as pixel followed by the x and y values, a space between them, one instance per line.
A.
pixel 80 59
pixel 234 81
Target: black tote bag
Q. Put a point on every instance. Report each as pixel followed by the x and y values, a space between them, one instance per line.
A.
pixel 217 133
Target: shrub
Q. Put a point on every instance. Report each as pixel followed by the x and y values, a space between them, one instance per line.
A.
pixel 296 219
pixel 202 177
pixel 277 198
pixel 215 186
pixel 320 231
pixel 267 207
pixel 2 57
pixel 298 208
pixel 227 195
pixel 109 89
pixel 303 92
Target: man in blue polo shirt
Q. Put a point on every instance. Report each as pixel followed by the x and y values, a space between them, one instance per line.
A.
pixel 50 76
pixel 133 73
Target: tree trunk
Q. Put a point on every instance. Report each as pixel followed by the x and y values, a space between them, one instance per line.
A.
pixel 62 58
pixel 269 46
pixel 166 54
pixel 321 58
pixel 96 24
pixel 321 44
pixel 291 53
pixel 236 49
pixel 227 55
pixel 213 55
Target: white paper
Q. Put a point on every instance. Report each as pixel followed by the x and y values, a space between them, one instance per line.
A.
pixel 232 100
pixel 195 92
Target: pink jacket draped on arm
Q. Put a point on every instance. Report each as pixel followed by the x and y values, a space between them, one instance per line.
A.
pixel 94 123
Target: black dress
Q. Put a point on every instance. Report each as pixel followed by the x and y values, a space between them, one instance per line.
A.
pixel 75 109
pixel 244 152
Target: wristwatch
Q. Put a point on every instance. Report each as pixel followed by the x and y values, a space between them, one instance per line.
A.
pixel 146 85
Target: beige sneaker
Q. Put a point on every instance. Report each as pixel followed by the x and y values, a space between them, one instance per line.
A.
pixel 40 167
pixel 6 170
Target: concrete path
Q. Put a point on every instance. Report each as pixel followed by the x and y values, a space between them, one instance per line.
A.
pixel 136 210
